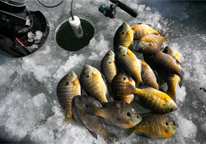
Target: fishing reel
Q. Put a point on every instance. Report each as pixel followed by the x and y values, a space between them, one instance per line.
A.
pixel 111 11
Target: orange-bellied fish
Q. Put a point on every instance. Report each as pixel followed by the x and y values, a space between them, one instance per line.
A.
pixel 154 126
pixel 150 44
pixel 129 64
pixel 91 122
pixel 118 86
pixel 141 30
pixel 123 36
pixel 92 82
pixel 152 99
pixel 67 88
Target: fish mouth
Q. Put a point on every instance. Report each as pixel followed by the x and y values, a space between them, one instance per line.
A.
pixel 174 108
pixel 110 53
pixel 126 27
pixel 141 45
pixel 136 120
pixel 72 76
pixel 88 70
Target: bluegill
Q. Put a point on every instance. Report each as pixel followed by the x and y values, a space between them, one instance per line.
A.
pixel 164 63
pixel 67 88
pixel 118 86
pixel 148 76
pixel 123 36
pixel 118 113
pixel 150 44
pixel 154 126
pixel 141 30
pixel 152 99
pixel 129 64
pixel 108 66
pixel 92 82
pixel 92 123
pixel 172 81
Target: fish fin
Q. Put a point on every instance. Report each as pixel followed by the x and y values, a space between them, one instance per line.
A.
pixel 162 49
pixel 66 121
pixel 149 25
pixel 147 135
pixel 160 32
pixel 154 34
pixel 128 132
pixel 139 23
pixel 131 46
pixel 93 133
pixel 111 138
pixel 178 62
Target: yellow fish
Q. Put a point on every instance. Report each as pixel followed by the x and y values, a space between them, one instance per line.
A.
pixel 172 81
pixel 67 88
pixel 93 84
pixel 150 44
pixel 141 30
pixel 124 36
pixel 148 76
pixel 108 66
pixel 152 99
pixel 129 64
pixel 154 126
pixel 118 86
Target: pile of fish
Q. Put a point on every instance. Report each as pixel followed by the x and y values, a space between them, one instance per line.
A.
pixel 123 81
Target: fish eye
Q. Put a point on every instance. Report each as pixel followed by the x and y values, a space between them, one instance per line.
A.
pixel 80 98
pixel 141 49
pixel 86 105
pixel 109 62
pixel 150 44
pixel 123 55
pixel 167 123
pixel 138 116
pixel 67 83
pixel 124 78
pixel 174 123
pixel 129 114
pixel 87 76
pixel 165 50
pixel 123 32
pixel 172 109
pixel 164 104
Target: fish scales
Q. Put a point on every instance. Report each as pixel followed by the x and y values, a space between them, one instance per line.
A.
pixel 148 76
pixel 67 89
pixel 108 66
pixel 93 84
pixel 129 64
pixel 155 126
pixel 120 91
pixel 154 100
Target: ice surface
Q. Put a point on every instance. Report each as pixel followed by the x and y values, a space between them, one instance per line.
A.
pixel 29 108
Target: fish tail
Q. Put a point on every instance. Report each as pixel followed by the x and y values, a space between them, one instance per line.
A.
pixel 128 132
pixel 172 94
pixel 66 121
pixel 111 138
pixel 181 74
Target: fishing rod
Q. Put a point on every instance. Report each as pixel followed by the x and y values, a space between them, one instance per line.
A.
pixel 111 11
